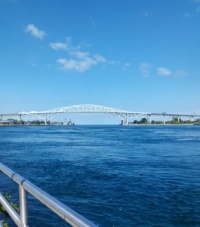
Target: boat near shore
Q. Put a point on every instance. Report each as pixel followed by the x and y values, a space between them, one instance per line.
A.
pixel 69 123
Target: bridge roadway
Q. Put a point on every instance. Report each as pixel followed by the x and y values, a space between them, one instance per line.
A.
pixel 89 108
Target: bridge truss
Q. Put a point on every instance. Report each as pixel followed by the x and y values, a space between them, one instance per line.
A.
pixel 89 108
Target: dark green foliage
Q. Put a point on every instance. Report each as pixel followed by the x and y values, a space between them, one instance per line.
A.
pixel 37 122
pixel 143 121
pixel 3 210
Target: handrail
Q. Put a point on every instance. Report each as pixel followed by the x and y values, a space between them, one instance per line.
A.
pixel 69 215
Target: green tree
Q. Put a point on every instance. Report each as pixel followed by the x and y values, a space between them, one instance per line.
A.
pixel 143 121
pixel 174 120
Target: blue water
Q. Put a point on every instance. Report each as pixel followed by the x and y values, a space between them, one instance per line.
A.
pixel 112 175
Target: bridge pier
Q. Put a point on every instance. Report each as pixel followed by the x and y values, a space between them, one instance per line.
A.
pixel 19 117
pixel 149 119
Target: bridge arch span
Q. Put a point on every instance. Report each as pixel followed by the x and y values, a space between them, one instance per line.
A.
pixel 88 108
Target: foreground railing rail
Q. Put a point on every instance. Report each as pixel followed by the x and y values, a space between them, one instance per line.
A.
pixel 25 186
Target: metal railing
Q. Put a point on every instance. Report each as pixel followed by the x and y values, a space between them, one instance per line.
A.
pixel 21 219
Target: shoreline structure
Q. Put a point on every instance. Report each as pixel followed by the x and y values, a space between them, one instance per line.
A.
pixel 142 122
pixel 127 125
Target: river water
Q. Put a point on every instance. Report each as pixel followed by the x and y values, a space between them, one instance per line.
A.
pixel 112 175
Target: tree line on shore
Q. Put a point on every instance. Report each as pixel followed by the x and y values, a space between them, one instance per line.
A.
pixel 175 120
pixel 34 122
pixel 16 122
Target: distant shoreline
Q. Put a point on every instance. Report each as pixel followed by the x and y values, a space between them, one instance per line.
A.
pixel 157 124
pixel 128 125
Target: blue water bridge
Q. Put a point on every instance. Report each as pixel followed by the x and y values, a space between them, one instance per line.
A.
pixel 90 108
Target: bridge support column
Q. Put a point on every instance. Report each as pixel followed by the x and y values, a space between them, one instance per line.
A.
pixel 19 117
pixel 126 121
pixel 149 119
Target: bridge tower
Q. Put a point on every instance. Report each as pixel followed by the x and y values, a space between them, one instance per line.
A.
pixel 126 120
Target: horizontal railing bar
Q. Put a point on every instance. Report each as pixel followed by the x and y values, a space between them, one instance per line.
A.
pixel 11 211
pixel 59 208
pixel 6 170
pixel 53 204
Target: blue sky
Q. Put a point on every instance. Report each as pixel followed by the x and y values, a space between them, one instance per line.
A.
pixel 135 55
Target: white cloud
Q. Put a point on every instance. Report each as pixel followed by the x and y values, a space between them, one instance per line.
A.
pixel 76 65
pixel 181 73
pixel 145 69
pixel 34 31
pixel 167 72
pixel 113 62
pixel 126 65
pixel 76 59
pixel 80 54
pixel 34 65
pixel 81 63
pixel 99 58
pixel 197 2
pixel 163 71
pixel 62 46
pixel 58 46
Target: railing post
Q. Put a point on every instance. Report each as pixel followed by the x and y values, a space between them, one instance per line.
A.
pixel 25 187
pixel 23 206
